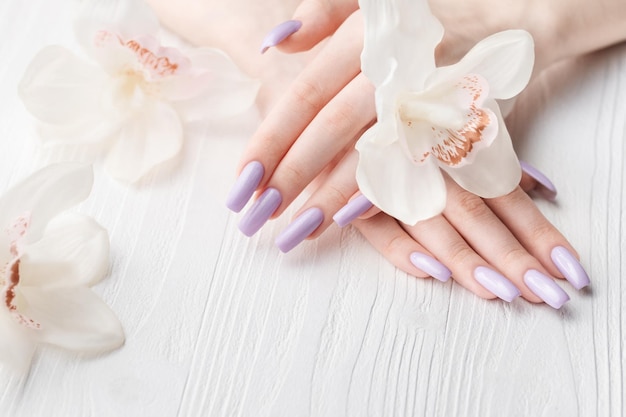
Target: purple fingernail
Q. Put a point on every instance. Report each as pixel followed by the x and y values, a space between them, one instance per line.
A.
pixel 280 33
pixel 260 212
pixel 244 187
pixel 546 187
pixel 497 283
pixel 545 288
pixel 569 266
pixel 352 210
pixel 299 229
pixel 431 266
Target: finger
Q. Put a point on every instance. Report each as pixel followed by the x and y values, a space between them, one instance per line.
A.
pixel 316 214
pixel 320 18
pixel 539 237
pixel 535 181
pixel 310 92
pixel 394 243
pixel 359 207
pixel 335 128
pixel 491 238
pixel 439 237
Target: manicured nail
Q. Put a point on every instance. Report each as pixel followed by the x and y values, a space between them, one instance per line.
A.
pixel 299 229
pixel 280 33
pixel 352 210
pixel 569 266
pixel 545 187
pixel 245 185
pixel 260 212
pixel 497 283
pixel 431 266
pixel 545 288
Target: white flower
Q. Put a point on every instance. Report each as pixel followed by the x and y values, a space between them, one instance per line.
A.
pixel 432 119
pixel 48 261
pixel 135 94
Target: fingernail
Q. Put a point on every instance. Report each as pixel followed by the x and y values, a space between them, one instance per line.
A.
pixel 545 288
pixel 244 186
pixel 260 212
pixel 497 283
pixel 280 33
pixel 352 210
pixel 431 266
pixel 299 229
pixel 569 266
pixel 545 187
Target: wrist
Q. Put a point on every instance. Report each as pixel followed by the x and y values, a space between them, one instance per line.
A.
pixel 566 28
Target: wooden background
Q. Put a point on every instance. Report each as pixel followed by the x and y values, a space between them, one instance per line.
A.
pixel 221 325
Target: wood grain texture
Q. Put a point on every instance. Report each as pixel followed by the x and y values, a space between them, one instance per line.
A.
pixel 221 325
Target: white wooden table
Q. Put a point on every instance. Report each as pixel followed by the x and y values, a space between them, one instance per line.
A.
pixel 221 325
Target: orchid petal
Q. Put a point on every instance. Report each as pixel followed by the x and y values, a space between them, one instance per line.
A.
pixel 74 250
pixel 400 37
pixel 409 192
pixel 73 318
pixel 219 90
pixel 59 88
pixel 16 346
pixel 495 170
pixel 504 59
pixel 45 194
pixel 153 136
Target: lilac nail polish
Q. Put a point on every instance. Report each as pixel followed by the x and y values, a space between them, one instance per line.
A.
pixel 352 210
pixel 545 288
pixel 431 266
pixel 260 212
pixel 244 187
pixel 299 229
pixel 497 283
pixel 280 33
pixel 569 266
pixel 546 187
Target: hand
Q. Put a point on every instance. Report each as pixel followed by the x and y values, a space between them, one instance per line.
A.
pixel 334 102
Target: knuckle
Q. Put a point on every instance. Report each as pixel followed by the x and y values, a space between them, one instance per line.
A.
pixel 292 174
pixel 471 205
pixel 514 255
pixel 460 253
pixel 341 118
pixel 308 93
pixel 394 245
pixel 542 231
pixel 336 196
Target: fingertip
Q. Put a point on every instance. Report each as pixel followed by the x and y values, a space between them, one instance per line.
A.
pixel 319 20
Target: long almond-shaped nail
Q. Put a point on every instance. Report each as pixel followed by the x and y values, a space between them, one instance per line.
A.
pixel 569 266
pixel 431 266
pixel 497 283
pixel 545 187
pixel 244 186
pixel 545 288
pixel 355 207
pixel 280 33
pixel 260 212
pixel 299 229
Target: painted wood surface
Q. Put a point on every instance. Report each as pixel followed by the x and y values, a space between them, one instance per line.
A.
pixel 221 325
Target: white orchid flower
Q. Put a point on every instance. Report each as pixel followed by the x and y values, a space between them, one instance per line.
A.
pixel 48 261
pixel 432 119
pixel 135 95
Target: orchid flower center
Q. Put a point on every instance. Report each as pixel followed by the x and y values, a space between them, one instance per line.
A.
pixel 150 63
pixel 446 121
pixel 10 272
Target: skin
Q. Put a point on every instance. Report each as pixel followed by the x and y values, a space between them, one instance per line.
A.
pixel 313 145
